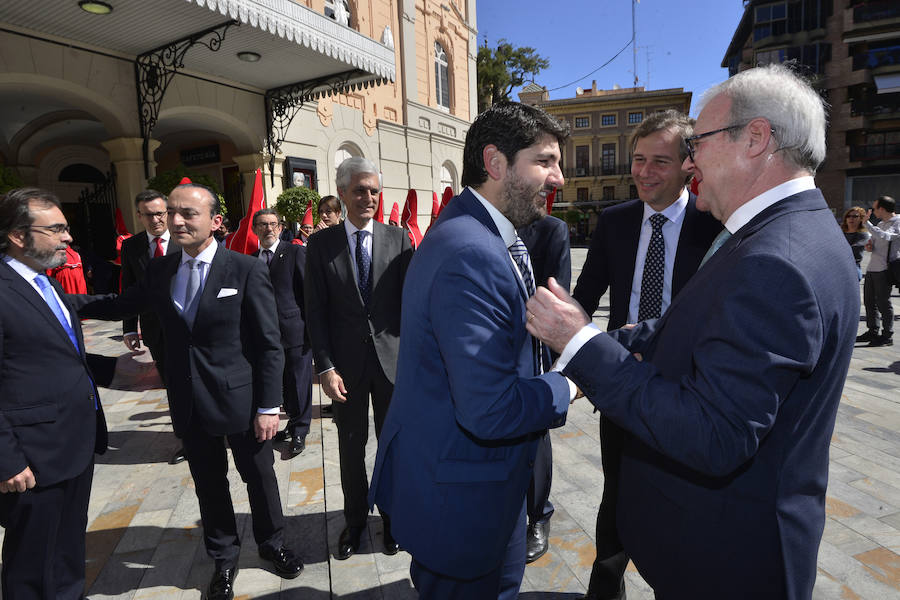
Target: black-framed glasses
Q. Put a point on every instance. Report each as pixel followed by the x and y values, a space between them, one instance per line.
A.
pixel 154 215
pixel 57 229
pixel 689 141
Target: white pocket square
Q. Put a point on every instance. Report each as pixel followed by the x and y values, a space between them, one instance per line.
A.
pixel 225 292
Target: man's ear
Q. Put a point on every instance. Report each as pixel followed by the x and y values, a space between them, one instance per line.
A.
pixel 494 162
pixel 760 132
pixel 16 238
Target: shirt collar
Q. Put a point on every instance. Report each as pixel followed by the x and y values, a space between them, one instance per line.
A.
pixel 745 213
pixel 206 256
pixel 506 229
pixel 272 247
pixel 351 229
pixel 27 273
pixel 674 212
pixel 164 235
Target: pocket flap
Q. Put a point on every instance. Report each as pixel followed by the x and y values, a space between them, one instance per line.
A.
pixel 463 471
pixel 30 415
pixel 239 379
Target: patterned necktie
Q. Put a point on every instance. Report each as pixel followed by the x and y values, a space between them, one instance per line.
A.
pixel 191 292
pixel 268 254
pixel 50 299
pixel 363 267
pixel 650 304
pixel 159 249
pixel 717 243
pixel 519 252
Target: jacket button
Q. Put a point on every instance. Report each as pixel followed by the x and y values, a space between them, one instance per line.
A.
pixel 531 463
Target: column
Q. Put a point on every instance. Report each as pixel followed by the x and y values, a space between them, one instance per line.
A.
pixel 127 154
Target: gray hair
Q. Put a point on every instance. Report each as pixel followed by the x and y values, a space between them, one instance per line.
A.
pixel 265 211
pixel 793 108
pixel 353 166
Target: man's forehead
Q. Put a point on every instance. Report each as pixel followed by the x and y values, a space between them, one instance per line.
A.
pixel 45 212
pixel 367 178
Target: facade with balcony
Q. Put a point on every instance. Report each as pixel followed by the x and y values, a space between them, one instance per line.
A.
pixel 850 49
pixel 597 157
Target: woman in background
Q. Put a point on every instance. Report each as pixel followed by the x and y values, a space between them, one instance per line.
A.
pixel 856 234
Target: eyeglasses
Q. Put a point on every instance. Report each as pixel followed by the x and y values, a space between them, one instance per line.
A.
pixel 689 142
pixel 154 215
pixel 262 225
pixel 57 229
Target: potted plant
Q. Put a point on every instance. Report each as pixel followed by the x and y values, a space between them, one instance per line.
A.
pixel 293 202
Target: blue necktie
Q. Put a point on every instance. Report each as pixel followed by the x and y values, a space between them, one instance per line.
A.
pixel 717 243
pixel 363 267
pixel 50 299
pixel 519 252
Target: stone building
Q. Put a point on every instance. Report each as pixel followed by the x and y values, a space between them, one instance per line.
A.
pixel 851 51
pixel 105 94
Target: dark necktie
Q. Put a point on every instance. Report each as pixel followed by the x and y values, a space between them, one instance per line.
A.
pixel 50 299
pixel 363 267
pixel 158 251
pixel 191 292
pixel 716 244
pixel 650 304
pixel 268 254
pixel 523 261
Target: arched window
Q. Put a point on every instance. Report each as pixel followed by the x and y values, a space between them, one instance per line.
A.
pixel 448 178
pixel 347 150
pixel 81 173
pixel 441 77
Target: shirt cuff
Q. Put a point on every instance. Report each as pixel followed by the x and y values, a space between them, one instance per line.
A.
pixel 130 333
pixel 268 411
pixel 325 371
pixel 584 335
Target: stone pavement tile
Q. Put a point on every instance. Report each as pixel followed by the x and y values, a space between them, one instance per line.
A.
pixel 396 584
pixel 563 525
pixel 860 500
pixel 839 472
pixel 144 531
pixel 582 508
pixel 851 573
pixel 845 539
pixel 165 490
pixel 120 578
pixel 566 567
pixel 883 564
pixel 871 469
pixel 853 435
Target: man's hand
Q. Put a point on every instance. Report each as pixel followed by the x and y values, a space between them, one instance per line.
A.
pixel 554 316
pixel 333 384
pixel 18 483
pixel 320 226
pixel 133 341
pixel 266 426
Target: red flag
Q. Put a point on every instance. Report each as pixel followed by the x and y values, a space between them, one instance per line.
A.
pixel 448 195
pixel 244 240
pixel 550 198
pixel 435 208
pixel 379 212
pixel 121 229
pixel 395 215
pixel 410 219
pixel 184 180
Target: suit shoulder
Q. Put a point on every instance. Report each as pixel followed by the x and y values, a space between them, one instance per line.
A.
pixel 622 211
pixel 135 241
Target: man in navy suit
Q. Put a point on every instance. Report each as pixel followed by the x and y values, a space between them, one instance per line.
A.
pixel 723 478
pixel 285 262
pixel 51 422
pixel 470 404
pixel 621 259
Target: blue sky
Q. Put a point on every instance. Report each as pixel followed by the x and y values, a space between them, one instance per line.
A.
pixel 681 41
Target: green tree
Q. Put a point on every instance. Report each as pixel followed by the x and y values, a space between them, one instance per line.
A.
pixel 292 203
pixel 504 68
pixel 9 179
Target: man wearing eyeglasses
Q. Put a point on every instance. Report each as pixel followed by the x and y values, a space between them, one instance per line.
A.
pixel 644 251
pixel 731 411
pixel 51 421
pixel 137 251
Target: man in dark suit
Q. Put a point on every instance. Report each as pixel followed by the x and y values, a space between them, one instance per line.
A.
pixel 51 422
pixel 224 365
pixel 643 270
pixel 456 456
pixel 137 251
pixel 730 414
pixel 286 263
pixel 547 240
pixel 354 280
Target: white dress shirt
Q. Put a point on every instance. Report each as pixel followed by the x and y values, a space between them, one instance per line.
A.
pixel 671 231
pixel 179 283
pixel 28 274
pixel 152 240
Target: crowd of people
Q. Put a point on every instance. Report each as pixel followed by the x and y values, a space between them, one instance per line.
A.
pixel 733 315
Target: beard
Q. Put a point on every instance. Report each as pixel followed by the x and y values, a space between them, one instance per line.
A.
pixel 523 205
pixel 47 259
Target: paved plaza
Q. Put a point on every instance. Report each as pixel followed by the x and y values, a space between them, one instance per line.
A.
pixel 144 538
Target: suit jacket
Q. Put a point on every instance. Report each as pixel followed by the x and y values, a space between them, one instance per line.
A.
pixel 611 257
pixel 48 420
pixel 135 258
pixel 732 410
pixel 230 363
pixel 286 272
pixel 456 451
pixel 547 241
pixel 340 328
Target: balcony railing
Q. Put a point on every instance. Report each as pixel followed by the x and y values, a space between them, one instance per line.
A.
pixel 878 57
pixel 875 11
pixel 875 104
pixel 887 151
pixel 596 171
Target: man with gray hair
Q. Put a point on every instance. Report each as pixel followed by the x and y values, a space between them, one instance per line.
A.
pixel 354 281
pixel 730 412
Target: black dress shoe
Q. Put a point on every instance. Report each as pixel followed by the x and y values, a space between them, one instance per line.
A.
pixel 298 445
pixel 326 410
pixel 221 586
pixel 285 562
pixel 391 547
pixel 867 336
pixel 178 457
pixel 882 340
pixel 282 436
pixel 536 540
pixel 348 543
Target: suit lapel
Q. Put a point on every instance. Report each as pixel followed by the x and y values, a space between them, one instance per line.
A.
pixel 218 274
pixel 143 244
pixel 630 239
pixel 340 248
pixel 18 284
pixel 379 253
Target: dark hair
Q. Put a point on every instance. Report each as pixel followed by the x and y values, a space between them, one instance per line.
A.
pixel 15 210
pixel 265 211
pixel 329 202
pixel 510 126
pixel 887 203
pixel 148 196
pixel 213 197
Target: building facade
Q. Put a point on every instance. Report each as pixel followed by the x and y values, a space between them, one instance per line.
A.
pixel 850 49
pixel 597 156
pixel 224 87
